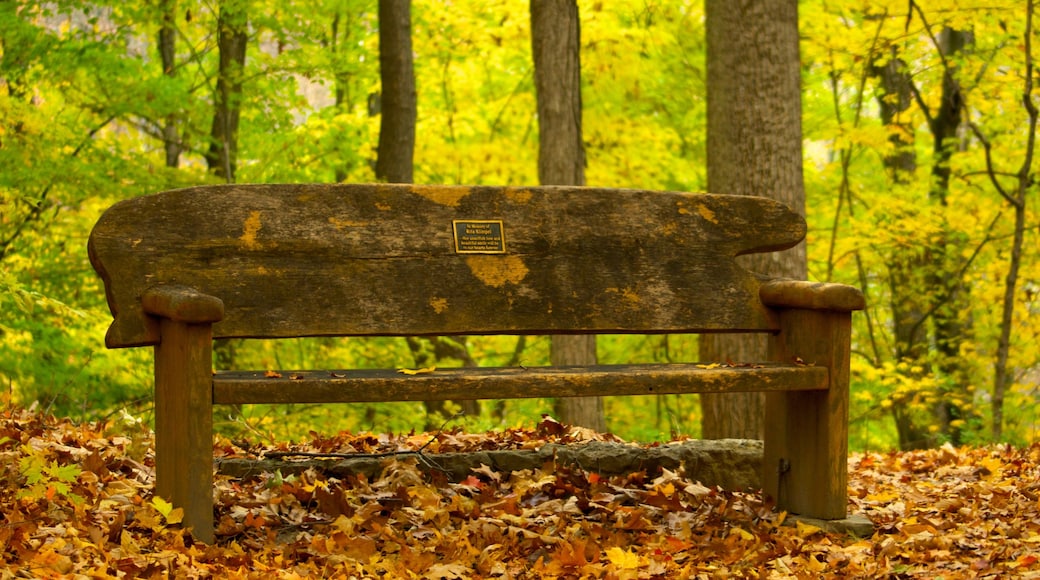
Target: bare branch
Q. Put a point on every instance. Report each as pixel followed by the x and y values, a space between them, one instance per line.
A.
pixel 36 208
pixel 990 170
pixel 1030 106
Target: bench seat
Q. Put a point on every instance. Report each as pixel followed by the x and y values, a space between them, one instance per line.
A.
pixel 370 386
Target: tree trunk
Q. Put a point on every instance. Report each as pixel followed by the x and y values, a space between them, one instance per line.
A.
pixel 168 59
pixel 556 48
pixel 949 295
pixel 394 163
pixel 754 148
pixel 339 38
pixel 232 37
pixel 906 270
pixel 221 157
pixel 1003 377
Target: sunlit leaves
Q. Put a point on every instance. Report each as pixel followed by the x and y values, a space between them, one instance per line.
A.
pixel 897 236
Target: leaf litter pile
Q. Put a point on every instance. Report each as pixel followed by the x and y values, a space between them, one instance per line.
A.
pixel 77 502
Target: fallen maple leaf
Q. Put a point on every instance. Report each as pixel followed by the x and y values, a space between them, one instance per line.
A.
pixel 949 512
pixel 623 559
pixel 550 426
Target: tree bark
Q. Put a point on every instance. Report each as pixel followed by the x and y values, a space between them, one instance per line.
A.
pixel 339 39
pixel 906 270
pixel 394 163
pixel 222 155
pixel 754 148
pixel 1003 377
pixel 168 59
pixel 556 48
pixel 949 295
pixel 232 38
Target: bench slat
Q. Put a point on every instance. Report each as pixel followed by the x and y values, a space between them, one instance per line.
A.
pixel 352 386
pixel 360 260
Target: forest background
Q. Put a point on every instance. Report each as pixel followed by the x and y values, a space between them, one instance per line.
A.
pixel 919 124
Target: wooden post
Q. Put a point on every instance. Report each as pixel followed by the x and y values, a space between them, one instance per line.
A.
pixel 184 422
pixel 805 466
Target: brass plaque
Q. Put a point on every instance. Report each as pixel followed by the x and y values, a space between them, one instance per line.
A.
pixel 479 236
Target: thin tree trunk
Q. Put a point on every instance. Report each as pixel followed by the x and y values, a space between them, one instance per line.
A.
pixel 338 39
pixel 168 59
pixel 397 124
pixel 906 270
pixel 232 39
pixel 754 148
pixel 556 48
pixel 221 157
pixel 949 294
pixel 395 164
pixel 1003 376
pixel 431 351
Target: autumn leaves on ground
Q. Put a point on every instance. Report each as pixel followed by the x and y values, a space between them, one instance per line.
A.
pixel 77 501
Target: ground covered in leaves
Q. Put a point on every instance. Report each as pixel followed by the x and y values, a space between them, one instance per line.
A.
pixel 77 501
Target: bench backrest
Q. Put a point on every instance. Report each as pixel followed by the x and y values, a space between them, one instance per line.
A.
pixel 356 260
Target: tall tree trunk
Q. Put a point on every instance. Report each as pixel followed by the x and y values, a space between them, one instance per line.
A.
pixel 168 59
pixel 949 294
pixel 1003 377
pixel 339 38
pixel 754 148
pixel 221 157
pixel 232 38
pixel 906 270
pixel 556 48
pixel 397 124
pixel 395 163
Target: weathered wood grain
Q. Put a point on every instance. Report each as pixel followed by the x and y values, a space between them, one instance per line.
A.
pixel 184 422
pixel 353 386
pixel 302 260
pixel 182 304
pixel 811 295
pixel 807 433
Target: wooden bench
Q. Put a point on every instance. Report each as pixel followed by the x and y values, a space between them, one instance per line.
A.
pixel 273 261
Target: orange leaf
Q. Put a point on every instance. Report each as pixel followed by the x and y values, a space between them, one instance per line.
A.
pixel 255 521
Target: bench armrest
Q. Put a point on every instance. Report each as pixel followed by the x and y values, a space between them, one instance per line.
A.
pixel 182 304
pixel 811 295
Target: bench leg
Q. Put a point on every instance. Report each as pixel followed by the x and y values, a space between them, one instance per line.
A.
pixel 805 467
pixel 184 422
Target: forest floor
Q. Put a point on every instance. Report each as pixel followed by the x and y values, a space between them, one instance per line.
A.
pixel 76 501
